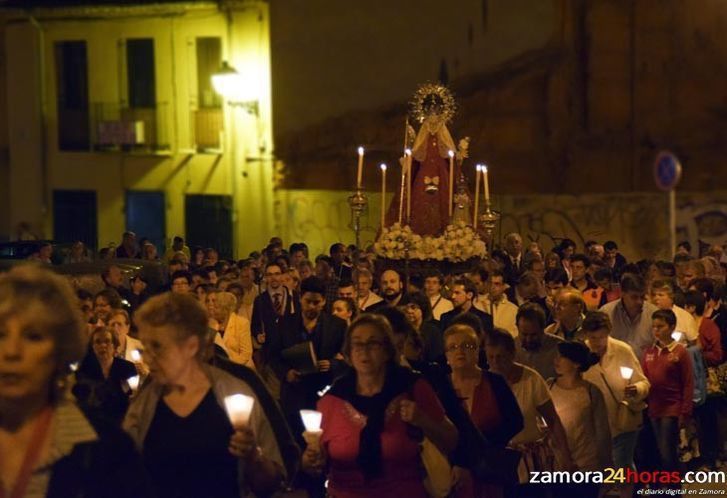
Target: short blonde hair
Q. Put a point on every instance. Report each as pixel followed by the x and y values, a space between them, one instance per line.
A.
pixel 461 328
pixel 180 313
pixel 227 302
pixel 47 301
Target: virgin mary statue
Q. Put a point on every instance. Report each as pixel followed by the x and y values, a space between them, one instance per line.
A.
pixel 433 106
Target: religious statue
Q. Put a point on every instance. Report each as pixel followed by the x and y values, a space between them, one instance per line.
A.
pixel 433 164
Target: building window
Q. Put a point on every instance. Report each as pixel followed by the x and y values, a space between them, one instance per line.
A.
pixel 72 84
pixel 207 113
pixel 209 60
pixel 140 73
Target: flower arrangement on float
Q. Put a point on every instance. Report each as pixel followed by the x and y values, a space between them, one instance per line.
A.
pixel 458 243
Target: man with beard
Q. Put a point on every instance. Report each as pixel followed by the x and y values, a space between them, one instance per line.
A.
pixel 463 295
pixel 631 315
pixel 391 288
pixel 298 388
pixel 536 349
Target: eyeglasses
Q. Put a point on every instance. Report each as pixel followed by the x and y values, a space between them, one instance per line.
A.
pixel 466 346
pixel 374 346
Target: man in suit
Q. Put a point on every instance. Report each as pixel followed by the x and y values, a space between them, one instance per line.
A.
pixel 463 295
pixel 269 310
pixel 514 260
pixel 299 390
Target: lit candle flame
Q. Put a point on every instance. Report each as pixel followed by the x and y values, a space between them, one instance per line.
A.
pixel 239 408
pixel 626 373
pixel 360 151
pixel 133 383
pixel 451 153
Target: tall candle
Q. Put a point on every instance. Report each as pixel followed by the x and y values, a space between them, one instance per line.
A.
pixel 407 157
pixel 401 192
pixel 451 181
pixel 478 169
pixel 359 175
pixel 383 195
pixel 486 181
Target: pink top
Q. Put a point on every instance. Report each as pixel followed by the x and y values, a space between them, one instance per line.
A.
pixel 402 472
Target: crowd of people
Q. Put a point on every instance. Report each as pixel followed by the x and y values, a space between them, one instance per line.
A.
pixel 427 385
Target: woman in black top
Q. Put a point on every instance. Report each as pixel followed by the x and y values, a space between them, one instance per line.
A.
pixel 102 379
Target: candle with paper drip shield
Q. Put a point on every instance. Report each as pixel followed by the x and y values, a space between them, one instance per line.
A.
pixel 312 423
pixel 133 383
pixel 677 336
pixel 239 407
pixel 626 373
pixel 136 356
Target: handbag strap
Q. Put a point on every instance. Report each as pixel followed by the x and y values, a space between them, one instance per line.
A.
pixel 609 388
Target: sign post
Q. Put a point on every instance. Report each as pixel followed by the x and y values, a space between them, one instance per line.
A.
pixel 667 173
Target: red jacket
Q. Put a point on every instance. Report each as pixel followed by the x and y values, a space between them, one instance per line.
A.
pixel 710 342
pixel 669 370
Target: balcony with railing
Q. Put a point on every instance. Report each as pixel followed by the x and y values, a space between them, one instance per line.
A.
pixel 119 128
pixel 207 129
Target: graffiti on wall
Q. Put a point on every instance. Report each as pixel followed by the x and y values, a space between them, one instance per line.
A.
pixel 637 222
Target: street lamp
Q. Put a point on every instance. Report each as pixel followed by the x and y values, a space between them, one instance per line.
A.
pixel 235 89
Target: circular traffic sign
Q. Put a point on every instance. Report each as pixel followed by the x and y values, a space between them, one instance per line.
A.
pixel 667 170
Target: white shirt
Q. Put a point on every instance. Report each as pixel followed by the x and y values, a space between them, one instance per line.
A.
pixel 503 312
pixel 686 323
pixel 370 300
pixel 618 354
pixel 440 305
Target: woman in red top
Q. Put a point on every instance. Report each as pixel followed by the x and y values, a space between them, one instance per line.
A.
pixel 373 420
pixel 488 400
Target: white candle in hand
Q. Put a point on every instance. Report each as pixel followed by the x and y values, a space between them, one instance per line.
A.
pixel 239 407
pixel 359 174
pixel 626 373
pixel 312 423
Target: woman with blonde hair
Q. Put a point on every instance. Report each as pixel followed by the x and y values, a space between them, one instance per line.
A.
pixel 234 329
pixel 48 447
pixel 178 422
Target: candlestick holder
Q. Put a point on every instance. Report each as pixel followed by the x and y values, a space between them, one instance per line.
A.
pixel 488 221
pixel 358 203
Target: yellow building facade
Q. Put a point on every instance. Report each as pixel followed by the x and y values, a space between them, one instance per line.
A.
pixel 113 124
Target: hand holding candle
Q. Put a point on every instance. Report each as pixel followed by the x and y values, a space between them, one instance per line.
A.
pixel 383 195
pixel 239 407
pixel 359 174
pixel 312 423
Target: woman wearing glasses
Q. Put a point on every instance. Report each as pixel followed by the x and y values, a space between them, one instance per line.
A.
pixel 488 400
pixel 373 420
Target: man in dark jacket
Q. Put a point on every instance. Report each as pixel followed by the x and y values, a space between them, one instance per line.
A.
pixel 463 295
pixel 300 383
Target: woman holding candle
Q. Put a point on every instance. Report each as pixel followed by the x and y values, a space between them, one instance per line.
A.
pixel 47 445
pixel 177 421
pixel 101 380
pixel 373 420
